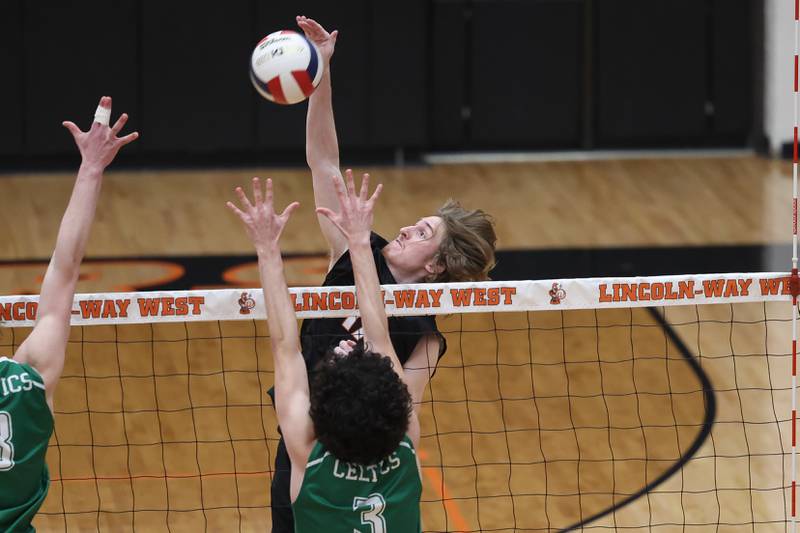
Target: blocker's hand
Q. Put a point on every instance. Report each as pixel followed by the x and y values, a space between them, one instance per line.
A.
pixel 100 144
pixel 354 218
pixel 263 225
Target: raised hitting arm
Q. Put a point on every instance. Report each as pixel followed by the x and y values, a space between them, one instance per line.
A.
pixel 264 228
pixel 45 347
pixel 322 145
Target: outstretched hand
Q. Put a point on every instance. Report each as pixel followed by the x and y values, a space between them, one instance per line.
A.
pixel 100 144
pixel 262 224
pixel 318 35
pixel 354 218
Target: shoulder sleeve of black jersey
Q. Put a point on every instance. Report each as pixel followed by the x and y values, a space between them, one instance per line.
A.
pixel 342 267
pixel 426 325
pixel 342 271
pixel 377 242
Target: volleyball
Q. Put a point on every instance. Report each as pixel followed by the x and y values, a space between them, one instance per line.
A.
pixel 285 67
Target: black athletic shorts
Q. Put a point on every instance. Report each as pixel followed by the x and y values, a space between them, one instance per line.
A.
pixel 282 517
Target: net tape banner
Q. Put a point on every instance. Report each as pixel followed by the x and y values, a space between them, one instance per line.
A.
pixel 419 299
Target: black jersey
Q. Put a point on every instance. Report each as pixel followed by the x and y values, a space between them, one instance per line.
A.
pixel 317 335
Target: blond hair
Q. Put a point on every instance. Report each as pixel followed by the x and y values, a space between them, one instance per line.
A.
pixel 467 248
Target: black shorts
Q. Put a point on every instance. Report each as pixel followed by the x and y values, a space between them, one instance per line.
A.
pixel 282 517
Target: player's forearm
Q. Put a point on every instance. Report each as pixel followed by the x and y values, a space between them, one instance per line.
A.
pixel 370 299
pixel 281 317
pixel 76 224
pixel 322 145
pixel 73 234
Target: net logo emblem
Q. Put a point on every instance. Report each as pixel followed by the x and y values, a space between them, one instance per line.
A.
pixel 557 294
pixel 246 303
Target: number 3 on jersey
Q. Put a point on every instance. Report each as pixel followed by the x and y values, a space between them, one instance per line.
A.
pixel 6 448
pixel 373 516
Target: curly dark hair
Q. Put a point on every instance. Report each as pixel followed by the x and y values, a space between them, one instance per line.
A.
pixel 359 405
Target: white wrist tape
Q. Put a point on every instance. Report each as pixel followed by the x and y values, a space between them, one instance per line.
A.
pixel 102 115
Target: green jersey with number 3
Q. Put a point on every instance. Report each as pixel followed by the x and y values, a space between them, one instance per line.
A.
pixel 26 424
pixel 343 497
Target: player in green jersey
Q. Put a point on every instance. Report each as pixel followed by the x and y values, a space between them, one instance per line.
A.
pixel 352 433
pixel 29 379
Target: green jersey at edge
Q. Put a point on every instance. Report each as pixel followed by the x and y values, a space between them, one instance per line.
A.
pixel 26 424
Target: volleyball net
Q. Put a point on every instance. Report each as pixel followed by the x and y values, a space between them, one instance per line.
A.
pixel 618 403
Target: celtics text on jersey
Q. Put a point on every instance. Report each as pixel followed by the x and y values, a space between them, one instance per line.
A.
pixel 341 497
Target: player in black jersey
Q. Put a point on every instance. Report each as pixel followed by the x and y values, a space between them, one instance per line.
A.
pixel 454 244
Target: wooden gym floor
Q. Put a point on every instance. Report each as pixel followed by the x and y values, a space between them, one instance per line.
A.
pixel 572 413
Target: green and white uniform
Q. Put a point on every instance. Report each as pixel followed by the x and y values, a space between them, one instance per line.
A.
pixel 26 424
pixel 339 497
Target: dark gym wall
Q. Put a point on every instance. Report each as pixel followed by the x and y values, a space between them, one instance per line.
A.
pixel 12 101
pixel 672 72
pixel 416 74
pixel 525 80
pixel 195 95
pixel 73 53
pixel 650 71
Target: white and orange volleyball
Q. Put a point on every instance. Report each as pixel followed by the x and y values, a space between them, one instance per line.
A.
pixel 285 67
